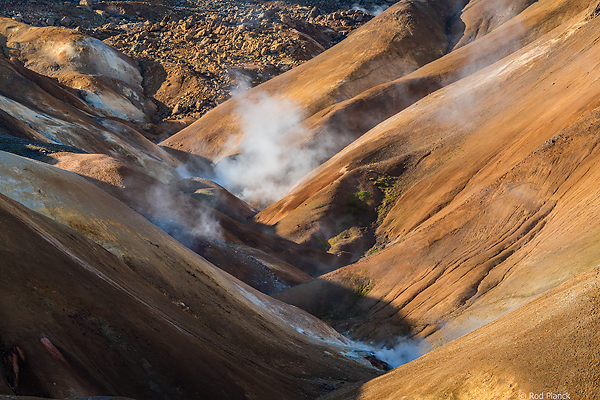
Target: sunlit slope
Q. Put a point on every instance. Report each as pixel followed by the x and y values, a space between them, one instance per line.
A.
pixel 172 323
pixel 405 37
pixel 488 197
pixel 488 31
pixel 41 109
pixel 443 116
pixel 395 60
pixel 547 347
pixel 105 79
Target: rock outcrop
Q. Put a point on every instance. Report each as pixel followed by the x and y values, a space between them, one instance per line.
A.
pixel 194 55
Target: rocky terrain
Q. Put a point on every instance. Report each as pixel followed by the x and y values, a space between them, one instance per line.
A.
pixel 410 188
pixel 194 54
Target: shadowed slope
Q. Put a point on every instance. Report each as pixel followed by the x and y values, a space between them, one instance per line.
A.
pixel 96 338
pixel 217 197
pixel 173 324
pixel 265 262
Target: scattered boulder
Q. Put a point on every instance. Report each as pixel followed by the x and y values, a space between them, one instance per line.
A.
pixel 314 13
pixel 66 21
pixel 178 109
pixel 160 35
pixel 86 4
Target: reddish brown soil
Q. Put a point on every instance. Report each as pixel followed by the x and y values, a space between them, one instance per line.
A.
pixel 466 201
pixel 399 41
pixel 547 347
pixel 146 319
pixel 486 183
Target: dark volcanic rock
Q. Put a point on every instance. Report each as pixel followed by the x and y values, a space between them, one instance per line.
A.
pixel 196 54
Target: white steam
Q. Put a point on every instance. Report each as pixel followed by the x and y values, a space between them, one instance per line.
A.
pixel 374 10
pixel 404 351
pixel 164 209
pixel 270 157
pixel 183 171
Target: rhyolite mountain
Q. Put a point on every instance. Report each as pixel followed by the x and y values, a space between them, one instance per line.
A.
pixel 448 201
pixel 98 301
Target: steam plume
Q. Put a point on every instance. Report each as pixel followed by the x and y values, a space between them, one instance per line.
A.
pixel 271 158
pixel 164 208
pixel 374 10
pixel 404 351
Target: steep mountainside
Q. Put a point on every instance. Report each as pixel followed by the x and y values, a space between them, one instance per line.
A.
pixel 405 37
pixel 56 117
pixel 514 357
pixel 380 103
pixel 195 54
pixel 266 262
pixel 475 192
pixel 38 108
pixel 173 324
